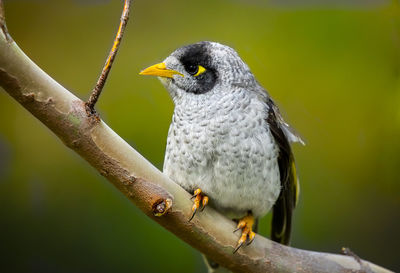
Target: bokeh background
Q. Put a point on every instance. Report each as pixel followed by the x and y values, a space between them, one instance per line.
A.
pixel 332 66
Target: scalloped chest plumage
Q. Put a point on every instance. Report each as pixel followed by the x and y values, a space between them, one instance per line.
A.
pixel 223 145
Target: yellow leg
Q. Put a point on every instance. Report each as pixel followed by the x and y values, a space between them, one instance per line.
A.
pixel 199 198
pixel 246 225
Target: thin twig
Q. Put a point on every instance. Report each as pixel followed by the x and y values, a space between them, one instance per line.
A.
pixel 3 25
pixel 2 17
pixel 346 251
pixel 110 59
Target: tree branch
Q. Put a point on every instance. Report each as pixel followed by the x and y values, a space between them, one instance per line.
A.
pixel 155 194
pixel 110 59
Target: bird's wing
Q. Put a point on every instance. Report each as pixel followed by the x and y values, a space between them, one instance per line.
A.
pixel 283 208
pixel 289 132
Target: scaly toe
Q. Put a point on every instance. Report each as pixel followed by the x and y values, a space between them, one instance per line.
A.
pixel 251 237
pixel 242 223
pixel 204 202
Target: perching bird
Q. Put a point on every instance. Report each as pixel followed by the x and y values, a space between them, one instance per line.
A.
pixel 227 143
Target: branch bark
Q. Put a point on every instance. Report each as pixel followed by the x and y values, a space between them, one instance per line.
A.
pixel 155 194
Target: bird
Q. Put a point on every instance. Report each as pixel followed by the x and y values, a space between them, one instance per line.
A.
pixel 227 143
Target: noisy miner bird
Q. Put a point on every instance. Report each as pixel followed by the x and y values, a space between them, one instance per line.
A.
pixel 227 142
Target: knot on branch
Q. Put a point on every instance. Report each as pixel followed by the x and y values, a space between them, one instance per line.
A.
pixel 160 207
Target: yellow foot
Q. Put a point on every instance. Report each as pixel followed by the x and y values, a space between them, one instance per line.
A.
pixel 199 198
pixel 246 225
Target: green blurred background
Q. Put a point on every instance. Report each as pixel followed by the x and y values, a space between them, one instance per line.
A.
pixel 333 67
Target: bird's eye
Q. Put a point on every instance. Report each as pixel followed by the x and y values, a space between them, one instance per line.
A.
pixel 191 69
pixel 195 70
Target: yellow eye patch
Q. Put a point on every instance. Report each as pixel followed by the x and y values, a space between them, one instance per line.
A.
pixel 200 71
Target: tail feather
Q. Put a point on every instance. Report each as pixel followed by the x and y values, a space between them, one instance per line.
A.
pixel 281 222
pixel 283 208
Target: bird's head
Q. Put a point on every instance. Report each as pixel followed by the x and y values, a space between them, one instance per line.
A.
pixel 201 69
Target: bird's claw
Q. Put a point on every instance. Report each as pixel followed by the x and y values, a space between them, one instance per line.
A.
pixel 194 212
pixel 237 248
pixel 199 198
pixel 248 235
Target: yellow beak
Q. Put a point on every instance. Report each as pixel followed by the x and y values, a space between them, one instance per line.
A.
pixel 159 70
